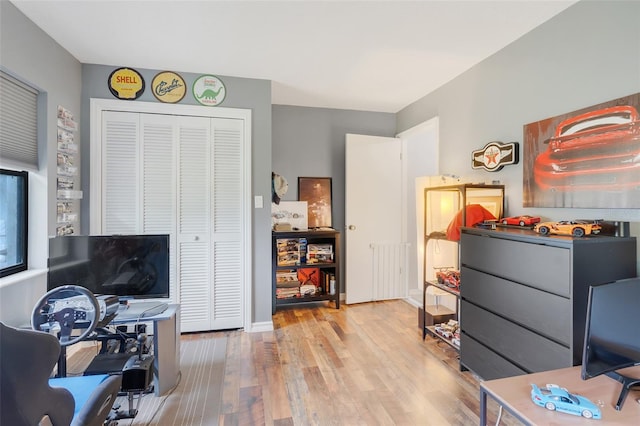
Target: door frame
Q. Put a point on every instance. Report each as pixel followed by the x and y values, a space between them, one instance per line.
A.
pixel 97 106
pixel 429 129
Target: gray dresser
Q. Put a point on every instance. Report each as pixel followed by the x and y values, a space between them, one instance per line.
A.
pixel 524 297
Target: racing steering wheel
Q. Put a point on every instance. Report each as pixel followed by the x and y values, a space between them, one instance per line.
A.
pixel 65 309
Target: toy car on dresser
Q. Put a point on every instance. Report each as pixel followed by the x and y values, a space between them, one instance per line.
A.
pixel 574 228
pixel 524 220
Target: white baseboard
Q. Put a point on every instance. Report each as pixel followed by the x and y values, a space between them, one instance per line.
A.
pixel 412 302
pixel 258 327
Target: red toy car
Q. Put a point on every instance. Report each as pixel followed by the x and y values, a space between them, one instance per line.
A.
pixel 448 277
pixel 592 151
pixel 524 220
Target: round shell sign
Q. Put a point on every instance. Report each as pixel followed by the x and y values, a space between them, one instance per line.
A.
pixel 209 90
pixel 126 83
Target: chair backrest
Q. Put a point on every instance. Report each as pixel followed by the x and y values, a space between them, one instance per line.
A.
pixel 27 359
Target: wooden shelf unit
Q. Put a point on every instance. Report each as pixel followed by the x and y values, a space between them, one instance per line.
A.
pixel 331 237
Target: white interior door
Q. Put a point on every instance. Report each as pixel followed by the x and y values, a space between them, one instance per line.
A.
pixel 193 225
pixel 227 231
pixel 157 184
pixel 375 253
pixel 120 156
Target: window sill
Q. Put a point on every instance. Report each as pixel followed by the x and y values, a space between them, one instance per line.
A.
pixel 21 276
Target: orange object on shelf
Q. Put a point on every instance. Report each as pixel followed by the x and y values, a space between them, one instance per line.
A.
pixel 475 214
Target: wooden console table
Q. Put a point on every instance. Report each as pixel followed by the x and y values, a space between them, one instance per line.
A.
pixel 514 394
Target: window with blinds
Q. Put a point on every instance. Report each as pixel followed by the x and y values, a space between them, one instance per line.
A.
pixel 18 146
pixel 18 121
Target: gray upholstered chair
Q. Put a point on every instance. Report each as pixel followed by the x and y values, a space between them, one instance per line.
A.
pixel 27 393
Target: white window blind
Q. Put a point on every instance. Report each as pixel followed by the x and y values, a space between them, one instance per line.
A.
pixel 18 121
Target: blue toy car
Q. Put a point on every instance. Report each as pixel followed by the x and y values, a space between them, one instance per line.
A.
pixel 555 398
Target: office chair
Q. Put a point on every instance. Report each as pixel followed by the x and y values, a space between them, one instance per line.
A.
pixel 27 394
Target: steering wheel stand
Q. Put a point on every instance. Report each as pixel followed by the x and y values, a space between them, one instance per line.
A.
pixel 63 310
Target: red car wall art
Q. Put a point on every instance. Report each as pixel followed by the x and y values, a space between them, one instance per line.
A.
pixel 590 159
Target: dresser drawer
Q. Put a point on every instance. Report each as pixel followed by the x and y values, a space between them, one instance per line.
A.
pixel 543 312
pixel 522 347
pixel 545 267
pixel 484 362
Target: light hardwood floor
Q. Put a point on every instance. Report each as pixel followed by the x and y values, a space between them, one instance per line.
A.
pixel 363 364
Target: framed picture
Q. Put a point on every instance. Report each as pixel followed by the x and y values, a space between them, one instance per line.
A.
pixel 316 191
pixel 292 212
pixel 490 202
pixel 584 159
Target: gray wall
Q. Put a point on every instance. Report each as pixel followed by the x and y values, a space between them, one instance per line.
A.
pixel 311 142
pixel 31 55
pixel 588 54
pixel 241 93
pixel 36 58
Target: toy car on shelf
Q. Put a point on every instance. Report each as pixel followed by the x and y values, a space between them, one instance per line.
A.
pixel 592 151
pixel 568 227
pixel 555 398
pixel 524 220
pixel 449 330
pixel 448 277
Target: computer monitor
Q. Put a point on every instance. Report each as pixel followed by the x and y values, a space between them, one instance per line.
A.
pixel 128 266
pixel 612 334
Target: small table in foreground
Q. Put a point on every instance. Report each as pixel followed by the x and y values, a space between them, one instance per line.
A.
pixel 166 346
pixel 514 394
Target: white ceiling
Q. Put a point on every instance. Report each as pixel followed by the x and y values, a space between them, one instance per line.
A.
pixel 361 55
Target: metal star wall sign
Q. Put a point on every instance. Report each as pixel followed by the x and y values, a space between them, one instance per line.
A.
pixel 494 156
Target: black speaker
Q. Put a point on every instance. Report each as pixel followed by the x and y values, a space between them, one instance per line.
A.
pixel 137 374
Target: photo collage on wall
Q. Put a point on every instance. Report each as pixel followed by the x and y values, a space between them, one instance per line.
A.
pixel 68 195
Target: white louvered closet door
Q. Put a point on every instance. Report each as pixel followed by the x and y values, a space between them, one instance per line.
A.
pixel 210 223
pixel 158 182
pixel 138 185
pixel 227 205
pixel 194 223
pixel 120 173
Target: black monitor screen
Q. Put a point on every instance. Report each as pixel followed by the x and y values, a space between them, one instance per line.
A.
pixel 612 336
pixel 135 266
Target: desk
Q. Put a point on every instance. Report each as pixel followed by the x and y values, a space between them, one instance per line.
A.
pixel 166 347
pixel 514 394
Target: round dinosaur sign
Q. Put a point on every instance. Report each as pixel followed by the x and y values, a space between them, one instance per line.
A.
pixel 209 90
